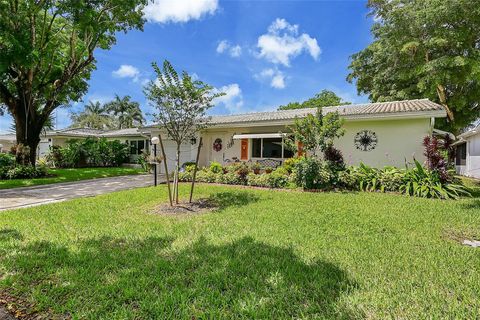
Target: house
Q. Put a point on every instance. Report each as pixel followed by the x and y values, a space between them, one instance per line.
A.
pixel 131 136
pixel 377 134
pixel 467 160
pixel 7 141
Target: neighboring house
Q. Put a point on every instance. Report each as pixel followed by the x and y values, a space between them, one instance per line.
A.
pixel 467 160
pixel 7 141
pixel 136 140
pixel 131 136
pixel 377 134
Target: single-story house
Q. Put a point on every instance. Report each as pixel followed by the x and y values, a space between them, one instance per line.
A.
pixel 7 141
pixel 377 134
pixel 467 160
pixel 136 140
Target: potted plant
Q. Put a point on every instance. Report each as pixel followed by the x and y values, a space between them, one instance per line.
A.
pixel 256 167
pixel 268 169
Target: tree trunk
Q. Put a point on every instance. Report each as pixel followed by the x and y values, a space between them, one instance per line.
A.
pixel 442 96
pixel 28 135
pixel 177 170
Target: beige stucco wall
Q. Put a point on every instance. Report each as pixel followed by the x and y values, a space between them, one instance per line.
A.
pixel 397 140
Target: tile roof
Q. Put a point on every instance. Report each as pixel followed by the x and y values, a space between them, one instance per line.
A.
pixel 349 111
pixel 85 132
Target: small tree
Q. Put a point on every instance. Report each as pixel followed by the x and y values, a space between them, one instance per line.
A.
pixel 182 103
pixel 317 132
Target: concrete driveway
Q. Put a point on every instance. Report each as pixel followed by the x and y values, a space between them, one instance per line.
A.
pixel 34 196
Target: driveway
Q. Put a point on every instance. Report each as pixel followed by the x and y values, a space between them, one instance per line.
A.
pixel 34 196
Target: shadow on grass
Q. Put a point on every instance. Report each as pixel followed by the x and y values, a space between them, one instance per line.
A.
pixel 10 234
pixel 233 198
pixel 149 279
pixel 472 204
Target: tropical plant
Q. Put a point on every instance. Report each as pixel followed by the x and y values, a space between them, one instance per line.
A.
pixel 421 182
pixel 47 55
pixel 127 113
pixel 215 167
pixel 423 49
pixel 182 103
pixel 93 116
pixel 324 98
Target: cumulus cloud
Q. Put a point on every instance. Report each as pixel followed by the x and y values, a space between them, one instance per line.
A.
pixel 164 11
pixel 274 76
pixel 282 42
pixel 127 71
pixel 225 46
pixel 233 99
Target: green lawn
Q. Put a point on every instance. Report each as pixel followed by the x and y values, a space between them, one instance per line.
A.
pixel 67 175
pixel 264 254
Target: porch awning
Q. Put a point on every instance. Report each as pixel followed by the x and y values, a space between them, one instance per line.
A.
pixel 258 135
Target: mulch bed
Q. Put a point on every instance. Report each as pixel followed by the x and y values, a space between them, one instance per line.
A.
pixel 199 206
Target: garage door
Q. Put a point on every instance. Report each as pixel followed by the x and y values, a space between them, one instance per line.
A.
pixel 170 151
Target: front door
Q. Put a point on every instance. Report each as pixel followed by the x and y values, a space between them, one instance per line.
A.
pixel 217 147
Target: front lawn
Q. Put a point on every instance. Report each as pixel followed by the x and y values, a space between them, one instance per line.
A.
pixel 68 175
pixel 264 254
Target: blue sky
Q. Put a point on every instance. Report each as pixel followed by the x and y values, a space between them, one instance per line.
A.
pixel 261 53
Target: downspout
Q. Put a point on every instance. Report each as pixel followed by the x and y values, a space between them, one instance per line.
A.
pixel 432 125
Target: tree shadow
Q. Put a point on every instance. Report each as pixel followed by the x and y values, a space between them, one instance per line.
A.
pixel 472 204
pixel 10 234
pixel 149 279
pixel 234 198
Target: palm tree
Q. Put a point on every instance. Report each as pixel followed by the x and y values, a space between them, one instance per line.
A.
pixel 128 113
pixel 93 116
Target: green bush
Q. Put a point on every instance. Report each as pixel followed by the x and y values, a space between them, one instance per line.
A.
pixel 22 172
pixel 312 174
pixel 289 164
pixel 90 152
pixel 215 167
pixel 6 160
pixel 424 183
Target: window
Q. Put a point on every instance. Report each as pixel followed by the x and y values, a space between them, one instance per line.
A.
pixel 269 148
pixel 256 148
pixel 461 154
pixel 137 146
pixel 272 148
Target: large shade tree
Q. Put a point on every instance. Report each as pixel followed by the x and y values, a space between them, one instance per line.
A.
pixel 93 116
pixel 324 98
pixel 182 103
pixel 424 49
pixel 47 54
pixel 127 113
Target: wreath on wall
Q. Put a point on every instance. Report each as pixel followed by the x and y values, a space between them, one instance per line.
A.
pixel 217 144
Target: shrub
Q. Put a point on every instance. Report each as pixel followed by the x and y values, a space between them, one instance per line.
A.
pixel 312 174
pixel 23 172
pixel 242 172
pixel 426 183
pixel 289 164
pixel 435 160
pixel 90 152
pixel 7 160
pixel 334 158
pixel 215 167
pixel 391 179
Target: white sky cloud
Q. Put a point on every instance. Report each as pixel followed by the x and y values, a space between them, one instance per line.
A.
pixel 164 11
pixel 225 46
pixel 275 76
pixel 233 99
pixel 282 43
pixel 126 71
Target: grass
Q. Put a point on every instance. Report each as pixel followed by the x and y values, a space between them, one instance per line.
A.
pixel 263 254
pixel 68 175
